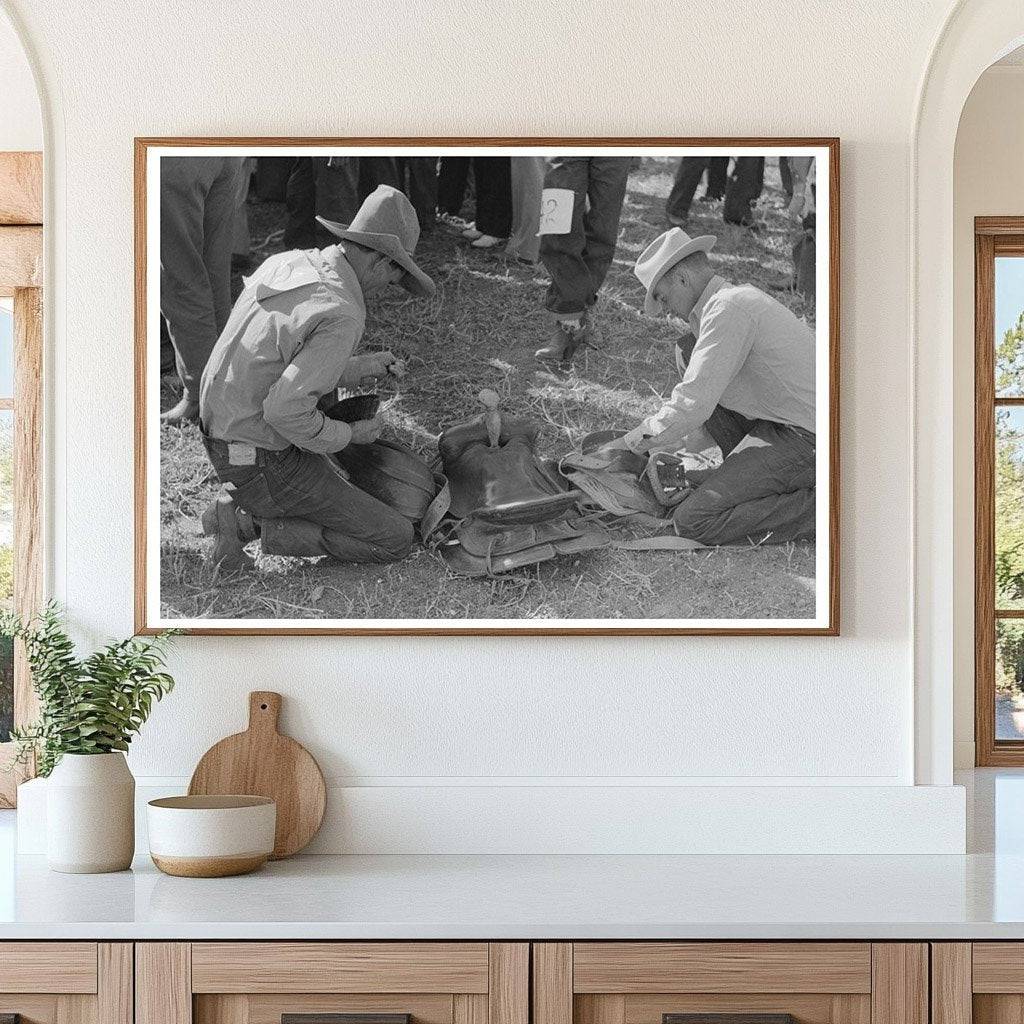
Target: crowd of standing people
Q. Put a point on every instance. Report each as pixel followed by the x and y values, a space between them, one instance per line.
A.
pixel 204 226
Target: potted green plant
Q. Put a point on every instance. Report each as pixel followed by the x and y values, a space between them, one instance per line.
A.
pixel 89 710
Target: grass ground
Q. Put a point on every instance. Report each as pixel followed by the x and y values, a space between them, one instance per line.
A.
pixel 481 330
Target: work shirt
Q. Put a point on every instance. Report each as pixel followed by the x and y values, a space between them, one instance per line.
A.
pixel 752 355
pixel 286 344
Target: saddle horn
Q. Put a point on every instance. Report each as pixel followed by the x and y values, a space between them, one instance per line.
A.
pixel 492 417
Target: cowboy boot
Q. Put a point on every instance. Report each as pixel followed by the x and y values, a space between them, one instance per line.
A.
pixel 231 529
pixel 565 339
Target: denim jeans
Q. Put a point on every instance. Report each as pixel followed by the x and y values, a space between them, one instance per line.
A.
pixel 762 493
pixel 306 507
pixel 578 262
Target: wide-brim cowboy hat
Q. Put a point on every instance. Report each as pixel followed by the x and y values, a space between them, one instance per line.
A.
pixel 662 255
pixel 387 223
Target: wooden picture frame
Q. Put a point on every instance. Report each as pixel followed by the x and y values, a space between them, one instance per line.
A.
pixel 148 618
pixel 21 267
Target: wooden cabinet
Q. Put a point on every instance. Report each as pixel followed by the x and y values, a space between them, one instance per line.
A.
pixel 259 982
pixel 66 982
pixel 979 982
pixel 815 982
pixel 493 983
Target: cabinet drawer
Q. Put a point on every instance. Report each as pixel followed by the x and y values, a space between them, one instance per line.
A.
pixel 66 982
pixel 340 967
pixel 260 982
pixel 755 982
pixel 69 967
pixel 635 967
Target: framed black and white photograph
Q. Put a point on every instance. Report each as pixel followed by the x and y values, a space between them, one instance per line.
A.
pixel 444 386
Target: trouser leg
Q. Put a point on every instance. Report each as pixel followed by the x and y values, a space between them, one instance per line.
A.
pixel 300 204
pixel 306 508
pixel 451 184
pixel 420 174
pixel 718 177
pixel 763 492
pixel 377 170
pixel 186 290
pixel 805 261
pixel 562 255
pixel 743 189
pixel 240 241
pixel 527 184
pixel 218 234
pixel 606 192
pixel 786 176
pixel 688 174
pixel 493 176
pixel 272 173
pixel 337 187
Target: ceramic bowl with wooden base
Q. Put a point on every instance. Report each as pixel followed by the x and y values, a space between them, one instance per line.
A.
pixel 211 836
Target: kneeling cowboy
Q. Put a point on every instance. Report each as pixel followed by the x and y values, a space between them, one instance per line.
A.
pixel 748 379
pixel 289 341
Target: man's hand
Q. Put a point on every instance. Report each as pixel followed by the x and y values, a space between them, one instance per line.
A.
pixel 366 431
pixel 371 364
pixel 381 364
pixel 636 440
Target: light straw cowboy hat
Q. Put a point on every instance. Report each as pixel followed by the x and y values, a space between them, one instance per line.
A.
pixel 386 223
pixel 662 255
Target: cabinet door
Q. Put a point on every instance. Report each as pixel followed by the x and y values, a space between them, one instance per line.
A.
pixel 980 982
pixel 750 982
pixel 301 982
pixel 66 982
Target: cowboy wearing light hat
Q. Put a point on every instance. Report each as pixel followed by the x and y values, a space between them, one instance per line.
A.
pixel 748 378
pixel 288 343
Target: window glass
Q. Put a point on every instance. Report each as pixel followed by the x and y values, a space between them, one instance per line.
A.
pixel 1009 512
pixel 1009 327
pixel 1009 679
pixel 6 349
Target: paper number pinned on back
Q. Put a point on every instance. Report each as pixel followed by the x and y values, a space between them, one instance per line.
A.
pixel 556 211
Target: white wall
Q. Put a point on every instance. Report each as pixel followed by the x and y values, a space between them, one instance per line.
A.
pixel 21 125
pixel 395 713
pixel 988 181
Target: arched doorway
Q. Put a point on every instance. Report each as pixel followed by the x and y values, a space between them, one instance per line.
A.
pixel 975 35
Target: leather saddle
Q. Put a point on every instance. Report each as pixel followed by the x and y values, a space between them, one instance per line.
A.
pixel 504 506
pixel 505 483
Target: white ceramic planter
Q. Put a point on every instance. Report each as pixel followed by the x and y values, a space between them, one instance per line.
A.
pixel 90 814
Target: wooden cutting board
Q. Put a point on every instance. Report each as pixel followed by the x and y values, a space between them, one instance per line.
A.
pixel 262 762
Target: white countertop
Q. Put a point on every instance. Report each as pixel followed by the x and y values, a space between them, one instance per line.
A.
pixel 532 897
pixel 978 896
